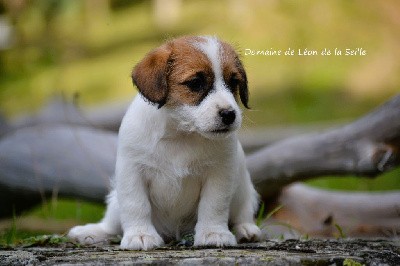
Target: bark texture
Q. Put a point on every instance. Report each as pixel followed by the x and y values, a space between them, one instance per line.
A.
pixel 289 252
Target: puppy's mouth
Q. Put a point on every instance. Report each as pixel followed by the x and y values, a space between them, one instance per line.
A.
pixel 220 131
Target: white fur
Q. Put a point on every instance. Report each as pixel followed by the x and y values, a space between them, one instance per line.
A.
pixel 174 176
pixel 204 118
pixel 212 49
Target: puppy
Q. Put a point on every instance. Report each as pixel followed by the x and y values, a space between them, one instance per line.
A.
pixel 180 167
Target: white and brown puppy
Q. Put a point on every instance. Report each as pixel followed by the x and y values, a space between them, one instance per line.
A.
pixel 180 167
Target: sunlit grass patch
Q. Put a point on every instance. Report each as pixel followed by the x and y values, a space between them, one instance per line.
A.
pixel 80 211
pixel 48 218
pixel 385 182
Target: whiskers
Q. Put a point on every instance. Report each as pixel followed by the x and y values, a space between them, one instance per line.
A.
pixel 248 123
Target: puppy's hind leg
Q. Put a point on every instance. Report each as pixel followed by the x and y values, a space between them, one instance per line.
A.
pixel 103 231
pixel 242 210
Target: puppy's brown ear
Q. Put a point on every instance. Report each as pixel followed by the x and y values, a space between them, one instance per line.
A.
pixel 150 75
pixel 243 89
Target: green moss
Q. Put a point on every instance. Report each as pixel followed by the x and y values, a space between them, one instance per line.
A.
pixel 351 262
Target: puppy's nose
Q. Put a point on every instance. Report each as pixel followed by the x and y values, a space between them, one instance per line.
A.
pixel 228 116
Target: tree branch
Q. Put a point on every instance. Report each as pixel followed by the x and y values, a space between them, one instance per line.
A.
pixel 367 147
pixel 318 212
pixel 76 161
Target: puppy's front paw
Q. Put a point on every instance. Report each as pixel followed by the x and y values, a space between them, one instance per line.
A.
pixel 247 232
pixel 214 236
pixel 89 234
pixel 141 239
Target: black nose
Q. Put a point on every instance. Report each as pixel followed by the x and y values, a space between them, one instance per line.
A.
pixel 228 116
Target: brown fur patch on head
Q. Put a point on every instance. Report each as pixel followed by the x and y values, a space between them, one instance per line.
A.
pixel 151 75
pixel 189 66
pixel 178 73
pixel 234 74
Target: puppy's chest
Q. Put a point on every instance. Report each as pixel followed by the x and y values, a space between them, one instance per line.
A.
pixel 175 175
pixel 177 160
pixel 176 169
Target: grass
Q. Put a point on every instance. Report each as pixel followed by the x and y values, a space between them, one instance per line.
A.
pixel 260 214
pixel 37 226
pixel 293 106
pixel 385 182
pixel 341 233
pixel 37 240
pixel 263 216
pixel 44 240
pixel 81 212
pixel 10 235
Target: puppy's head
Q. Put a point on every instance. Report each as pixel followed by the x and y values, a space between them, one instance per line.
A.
pixel 199 80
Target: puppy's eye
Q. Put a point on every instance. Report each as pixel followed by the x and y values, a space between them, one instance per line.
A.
pixel 197 83
pixel 233 83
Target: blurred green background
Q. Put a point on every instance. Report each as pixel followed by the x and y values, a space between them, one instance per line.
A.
pixel 89 47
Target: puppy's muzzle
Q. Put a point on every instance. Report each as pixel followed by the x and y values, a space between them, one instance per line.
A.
pixel 228 116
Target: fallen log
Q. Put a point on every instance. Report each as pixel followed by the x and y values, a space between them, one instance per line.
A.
pixel 366 147
pixel 61 111
pixel 76 161
pixel 38 162
pixel 321 212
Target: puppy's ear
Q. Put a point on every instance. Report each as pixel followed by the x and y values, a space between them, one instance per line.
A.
pixel 243 89
pixel 150 75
